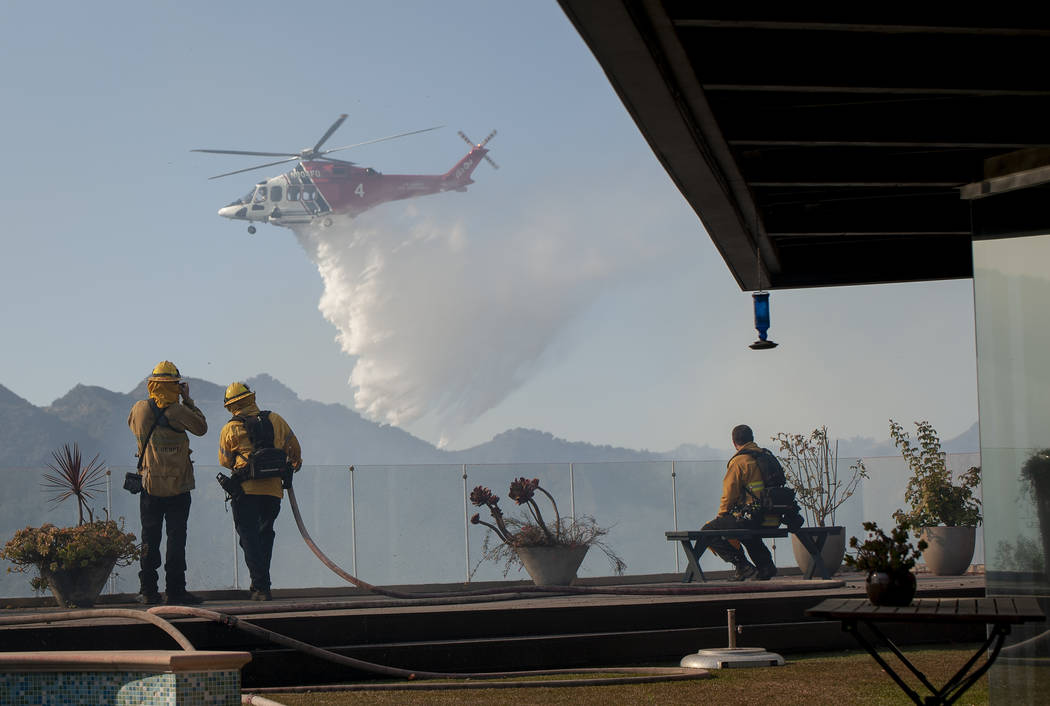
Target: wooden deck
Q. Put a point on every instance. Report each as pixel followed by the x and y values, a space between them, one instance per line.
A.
pixel 524 632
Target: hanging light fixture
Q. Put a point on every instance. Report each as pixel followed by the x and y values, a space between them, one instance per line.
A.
pixel 761 302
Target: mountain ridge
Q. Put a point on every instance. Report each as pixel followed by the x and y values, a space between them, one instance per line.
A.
pixel 331 434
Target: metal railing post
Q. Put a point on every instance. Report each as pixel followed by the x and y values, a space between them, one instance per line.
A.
pixel 466 524
pixel 109 516
pixel 674 511
pixel 353 523
pixel 572 492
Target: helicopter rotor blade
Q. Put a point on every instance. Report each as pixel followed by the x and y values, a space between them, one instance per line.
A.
pixel 251 154
pixel 260 166
pixel 324 138
pixel 489 160
pixel 486 140
pixel 466 139
pixel 383 139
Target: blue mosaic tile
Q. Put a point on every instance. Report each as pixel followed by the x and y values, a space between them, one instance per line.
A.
pixel 120 689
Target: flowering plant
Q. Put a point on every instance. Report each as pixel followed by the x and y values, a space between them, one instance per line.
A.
pixel 91 542
pixel 890 554
pixel 531 530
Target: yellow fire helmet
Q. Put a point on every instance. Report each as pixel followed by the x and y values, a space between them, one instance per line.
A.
pixel 236 392
pixel 165 372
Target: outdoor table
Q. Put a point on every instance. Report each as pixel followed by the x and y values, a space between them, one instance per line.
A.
pixel 1000 612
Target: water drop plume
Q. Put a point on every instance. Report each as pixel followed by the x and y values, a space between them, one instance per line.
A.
pixel 447 319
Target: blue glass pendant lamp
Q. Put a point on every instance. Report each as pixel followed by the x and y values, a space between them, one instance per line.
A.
pixel 762 321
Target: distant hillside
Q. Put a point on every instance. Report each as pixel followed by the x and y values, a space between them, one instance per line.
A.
pixel 967 442
pixel 27 433
pixel 331 434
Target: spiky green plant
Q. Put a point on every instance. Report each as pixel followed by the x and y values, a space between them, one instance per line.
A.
pixel 71 478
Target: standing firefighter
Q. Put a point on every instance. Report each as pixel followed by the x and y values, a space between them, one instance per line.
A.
pixel 261 450
pixel 165 480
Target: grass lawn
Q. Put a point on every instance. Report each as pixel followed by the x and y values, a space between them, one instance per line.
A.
pixel 841 679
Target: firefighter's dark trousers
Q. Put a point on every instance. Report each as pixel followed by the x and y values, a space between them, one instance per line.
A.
pixel 733 554
pixel 253 516
pixel 156 512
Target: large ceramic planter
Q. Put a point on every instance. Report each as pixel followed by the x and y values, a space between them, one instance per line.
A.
pixel 832 553
pixel 79 587
pixel 950 551
pixel 890 589
pixel 552 566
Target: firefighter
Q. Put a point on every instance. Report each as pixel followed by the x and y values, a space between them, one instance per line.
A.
pixel 262 451
pixel 160 424
pixel 742 484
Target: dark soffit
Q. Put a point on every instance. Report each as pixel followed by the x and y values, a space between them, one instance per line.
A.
pixel 835 143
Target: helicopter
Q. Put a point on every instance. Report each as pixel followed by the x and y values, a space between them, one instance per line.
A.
pixel 320 187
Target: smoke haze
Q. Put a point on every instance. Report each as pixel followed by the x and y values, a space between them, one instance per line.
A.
pixel 448 320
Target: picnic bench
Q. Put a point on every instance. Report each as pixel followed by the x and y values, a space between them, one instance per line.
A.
pixel 695 542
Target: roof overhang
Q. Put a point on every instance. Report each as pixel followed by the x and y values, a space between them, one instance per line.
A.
pixel 824 148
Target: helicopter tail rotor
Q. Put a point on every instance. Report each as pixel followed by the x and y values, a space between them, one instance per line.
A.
pixel 481 144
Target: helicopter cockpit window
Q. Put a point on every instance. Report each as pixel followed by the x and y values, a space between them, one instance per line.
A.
pixel 275 193
pixel 293 193
pixel 247 198
pixel 260 194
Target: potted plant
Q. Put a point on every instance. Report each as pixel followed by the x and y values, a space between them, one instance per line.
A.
pixel 813 470
pixel 945 515
pixel 888 562
pixel 74 562
pixel 550 551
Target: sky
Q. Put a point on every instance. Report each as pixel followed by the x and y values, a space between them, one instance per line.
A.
pixel 573 290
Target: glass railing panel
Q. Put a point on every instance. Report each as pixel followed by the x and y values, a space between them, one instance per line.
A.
pixel 407 524
pixel 699 491
pixel 410 525
pixel 24 504
pixel 633 501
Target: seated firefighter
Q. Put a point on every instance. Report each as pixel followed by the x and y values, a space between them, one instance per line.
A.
pixel 263 452
pixel 753 496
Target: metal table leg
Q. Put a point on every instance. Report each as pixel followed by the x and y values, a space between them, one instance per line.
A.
pixel 955 687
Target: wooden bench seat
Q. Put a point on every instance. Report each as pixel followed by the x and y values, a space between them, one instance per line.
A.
pixel 695 542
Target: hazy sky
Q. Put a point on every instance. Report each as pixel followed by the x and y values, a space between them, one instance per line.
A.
pixel 573 290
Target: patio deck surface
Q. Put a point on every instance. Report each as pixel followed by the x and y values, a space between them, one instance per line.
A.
pixel 454 634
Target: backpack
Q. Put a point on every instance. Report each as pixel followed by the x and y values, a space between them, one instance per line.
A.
pixel 264 461
pixel 778 500
pixel 772 472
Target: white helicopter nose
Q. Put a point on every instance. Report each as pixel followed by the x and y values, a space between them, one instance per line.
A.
pixel 228 211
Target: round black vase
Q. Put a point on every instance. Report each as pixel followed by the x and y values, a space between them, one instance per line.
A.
pixel 892 589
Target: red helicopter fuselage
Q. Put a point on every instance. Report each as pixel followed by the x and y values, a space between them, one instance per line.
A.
pixel 320 189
